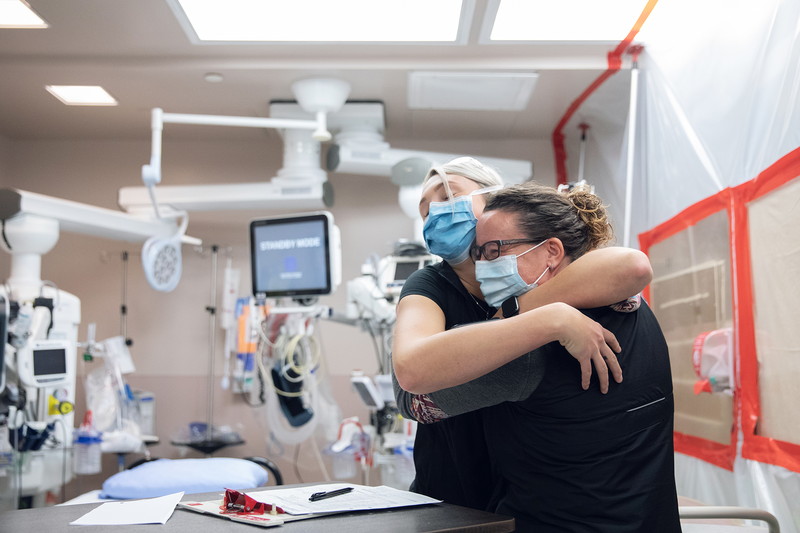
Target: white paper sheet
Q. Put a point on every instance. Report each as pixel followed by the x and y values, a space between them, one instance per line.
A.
pixel 295 500
pixel 149 511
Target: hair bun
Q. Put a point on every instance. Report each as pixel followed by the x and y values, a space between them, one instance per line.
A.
pixel 591 210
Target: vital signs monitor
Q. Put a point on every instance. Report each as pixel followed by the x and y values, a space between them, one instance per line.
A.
pixel 294 256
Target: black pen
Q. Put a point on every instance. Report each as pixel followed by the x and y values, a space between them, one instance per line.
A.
pixel 330 494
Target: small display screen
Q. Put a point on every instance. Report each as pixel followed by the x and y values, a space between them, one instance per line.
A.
pixel 404 269
pixel 49 361
pixel 291 256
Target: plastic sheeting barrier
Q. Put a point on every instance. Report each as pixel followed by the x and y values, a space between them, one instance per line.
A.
pixel 717 133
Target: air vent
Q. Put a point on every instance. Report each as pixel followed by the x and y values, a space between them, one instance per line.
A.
pixel 483 91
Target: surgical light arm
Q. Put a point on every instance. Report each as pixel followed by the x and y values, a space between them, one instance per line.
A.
pixel 316 96
pixel 151 173
pixel 301 184
pixel 86 219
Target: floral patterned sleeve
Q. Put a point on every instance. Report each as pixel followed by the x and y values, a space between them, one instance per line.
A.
pixel 425 409
pixel 629 305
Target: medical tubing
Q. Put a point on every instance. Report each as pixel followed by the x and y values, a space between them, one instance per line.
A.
pixel 63 459
pixel 51 284
pixel 296 463
pixel 265 325
pixel 263 371
pixel 292 348
pixel 306 367
pixel 265 337
pixel 258 357
pixel 116 373
pixel 320 462
pixel 287 363
pixel 284 349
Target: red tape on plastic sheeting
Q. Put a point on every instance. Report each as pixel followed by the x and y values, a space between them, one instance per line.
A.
pixel 614 64
pixel 746 393
pixel 776 175
pixel 716 453
pixel 686 218
pixel 721 455
pixel 754 446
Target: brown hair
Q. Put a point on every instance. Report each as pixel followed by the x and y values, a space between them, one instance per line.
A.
pixel 578 217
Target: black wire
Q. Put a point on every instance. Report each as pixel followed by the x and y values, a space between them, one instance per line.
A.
pixel 262 388
pixel 5 239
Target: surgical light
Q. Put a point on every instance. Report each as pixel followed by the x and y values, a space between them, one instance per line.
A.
pixel 162 259
pixel 162 263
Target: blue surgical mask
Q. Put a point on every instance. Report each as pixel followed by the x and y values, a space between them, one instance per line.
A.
pixel 500 279
pixel 449 229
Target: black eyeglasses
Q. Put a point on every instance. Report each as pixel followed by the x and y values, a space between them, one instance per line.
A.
pixel 490 250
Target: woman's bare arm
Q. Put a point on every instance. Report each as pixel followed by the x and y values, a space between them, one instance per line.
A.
pixel 426 358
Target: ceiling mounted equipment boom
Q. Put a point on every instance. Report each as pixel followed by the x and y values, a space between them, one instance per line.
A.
pixel 300 184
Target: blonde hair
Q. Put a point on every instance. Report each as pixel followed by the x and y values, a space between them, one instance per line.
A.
pixel 468 167
pixel 578 218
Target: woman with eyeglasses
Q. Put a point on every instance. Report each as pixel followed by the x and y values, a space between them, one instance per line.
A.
pixel 444 336
pixel 568 459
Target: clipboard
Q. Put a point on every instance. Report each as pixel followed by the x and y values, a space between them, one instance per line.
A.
pixel 295 502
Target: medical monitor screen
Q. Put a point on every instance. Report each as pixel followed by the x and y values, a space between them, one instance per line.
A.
pixel 403 269
pixel 49 361
pixel 291 256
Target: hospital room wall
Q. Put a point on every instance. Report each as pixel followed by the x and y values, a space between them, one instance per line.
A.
pixel 170 331
pixel 5 147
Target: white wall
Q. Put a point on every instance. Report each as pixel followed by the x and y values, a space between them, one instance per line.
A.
pixel 170 331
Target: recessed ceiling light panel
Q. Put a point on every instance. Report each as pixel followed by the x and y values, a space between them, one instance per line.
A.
pixel 90 95
pixel 564 20
pixel 18 14
pixel 306 21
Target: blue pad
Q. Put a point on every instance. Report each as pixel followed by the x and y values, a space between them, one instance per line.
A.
pixel 168 476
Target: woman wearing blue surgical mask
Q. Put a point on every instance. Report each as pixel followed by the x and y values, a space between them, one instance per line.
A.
pixel 568 460
pixel 443 335
pixel 449 229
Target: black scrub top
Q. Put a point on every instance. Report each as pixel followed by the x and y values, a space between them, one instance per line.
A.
pixel 575 460
pixel 451 457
